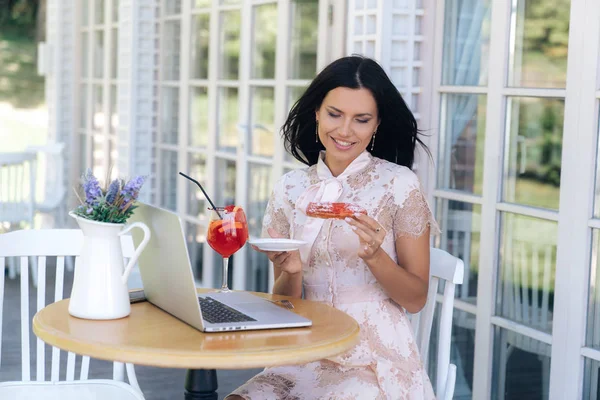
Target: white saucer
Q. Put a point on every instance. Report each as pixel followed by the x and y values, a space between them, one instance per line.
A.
pixel 273 244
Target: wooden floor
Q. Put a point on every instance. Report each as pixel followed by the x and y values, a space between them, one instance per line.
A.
pixel 156 383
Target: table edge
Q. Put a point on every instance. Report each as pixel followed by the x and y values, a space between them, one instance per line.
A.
pixel 213 360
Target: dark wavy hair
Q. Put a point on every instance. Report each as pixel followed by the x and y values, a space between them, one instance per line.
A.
pixel 397 134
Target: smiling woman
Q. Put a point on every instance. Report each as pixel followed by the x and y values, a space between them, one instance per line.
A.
pixel 358 137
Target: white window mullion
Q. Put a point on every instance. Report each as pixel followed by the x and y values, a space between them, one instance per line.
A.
pixel 594 223
pixel 534 212
pixel 588 352
pixel 242 167
pixel 281 103
pixel 577 173
pixel 322 45
pixel 261 82
pixel 244 129
pixel 408 89
pixel 161 72
pixel 213 73
pixel 432 79
pixel 383 31
pixel 534 92
pixel 336 32
pixel 495 121
pixel 350 36
pixel 106 88
pixel 281 74
pixel 457 195
pixel 90 92
pixel 522 329
pixel 184 105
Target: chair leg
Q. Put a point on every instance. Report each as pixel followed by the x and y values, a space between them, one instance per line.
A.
pixel 131 376
pixel 119 371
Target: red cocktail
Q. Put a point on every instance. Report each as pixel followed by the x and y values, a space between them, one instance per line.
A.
pixel 227 233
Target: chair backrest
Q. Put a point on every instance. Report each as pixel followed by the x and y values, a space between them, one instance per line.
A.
pixel 42 244
pixel 17 187
pixel 527 273
pixel 445 267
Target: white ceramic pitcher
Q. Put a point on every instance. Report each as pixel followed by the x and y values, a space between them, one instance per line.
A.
pixel 100 284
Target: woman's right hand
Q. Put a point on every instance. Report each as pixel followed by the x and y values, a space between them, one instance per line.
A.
pixel 285 261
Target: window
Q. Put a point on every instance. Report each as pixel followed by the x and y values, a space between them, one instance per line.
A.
pixel 224 90
pixel 499 157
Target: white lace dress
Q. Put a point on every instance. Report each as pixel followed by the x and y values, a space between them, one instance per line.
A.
pixel 386 363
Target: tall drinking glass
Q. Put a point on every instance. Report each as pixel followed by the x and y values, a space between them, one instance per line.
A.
pixel 227 233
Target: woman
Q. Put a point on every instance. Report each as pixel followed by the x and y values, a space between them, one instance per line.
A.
pixel 358 137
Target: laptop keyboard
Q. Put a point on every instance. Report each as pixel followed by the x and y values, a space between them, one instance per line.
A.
pixel 215 312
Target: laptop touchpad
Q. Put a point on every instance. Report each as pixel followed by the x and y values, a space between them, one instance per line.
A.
pixel 257 307
pixel 254 306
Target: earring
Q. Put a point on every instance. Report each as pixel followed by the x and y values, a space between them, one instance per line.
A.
pixel 373 143
pixel 317 133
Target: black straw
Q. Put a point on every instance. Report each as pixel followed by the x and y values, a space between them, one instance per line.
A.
pixel 203 191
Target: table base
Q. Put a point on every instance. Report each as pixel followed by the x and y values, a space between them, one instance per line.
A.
pixel 201 384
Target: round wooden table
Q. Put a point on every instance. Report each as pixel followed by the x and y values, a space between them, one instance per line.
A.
pixel 150 336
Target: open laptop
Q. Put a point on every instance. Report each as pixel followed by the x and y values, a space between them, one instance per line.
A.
pixel 169 284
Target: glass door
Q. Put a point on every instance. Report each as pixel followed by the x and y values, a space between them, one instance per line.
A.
pixel 502 89
pixel 591 348
pixel 282 60
pixel 230 70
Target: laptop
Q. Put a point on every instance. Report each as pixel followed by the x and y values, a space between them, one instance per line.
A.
pixel 169 284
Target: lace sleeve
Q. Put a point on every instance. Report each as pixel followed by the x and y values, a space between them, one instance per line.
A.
pixel 413 214
pixel 278 213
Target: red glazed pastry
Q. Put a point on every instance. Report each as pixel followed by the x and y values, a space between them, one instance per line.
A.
pixel 333 210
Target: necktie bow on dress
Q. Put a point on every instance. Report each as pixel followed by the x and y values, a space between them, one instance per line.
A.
pixel 328 189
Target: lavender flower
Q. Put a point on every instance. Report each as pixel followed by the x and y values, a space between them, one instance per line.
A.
pixel 113 190
pixel 114 204
pixel 91 187
pixel 132 188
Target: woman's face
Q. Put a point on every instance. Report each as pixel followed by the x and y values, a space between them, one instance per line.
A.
pixel 347 119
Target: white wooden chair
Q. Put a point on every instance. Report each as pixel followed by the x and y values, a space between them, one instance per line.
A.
pixel 17 187
pixel 43 244
pixel 17 193
pixel 445 267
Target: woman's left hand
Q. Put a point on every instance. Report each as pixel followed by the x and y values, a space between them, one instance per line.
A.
pixel 370 234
